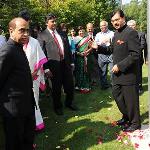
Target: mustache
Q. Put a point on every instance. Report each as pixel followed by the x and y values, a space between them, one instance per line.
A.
pixel 116 24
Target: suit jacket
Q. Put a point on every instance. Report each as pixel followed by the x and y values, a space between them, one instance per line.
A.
pixel 143 45
pixel 126 52
pixel 16 95
pixel 142 40
pixel 125 47
pixel 51 49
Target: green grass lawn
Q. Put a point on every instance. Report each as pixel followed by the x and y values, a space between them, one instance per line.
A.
pixel 86 128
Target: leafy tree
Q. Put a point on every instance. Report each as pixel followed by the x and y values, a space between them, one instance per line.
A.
pixel 72 12
pixel 137 10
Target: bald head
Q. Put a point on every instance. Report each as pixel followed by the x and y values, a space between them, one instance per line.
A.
pixel 15 21
pixel 19 29
pixel 89 28
pixel 132 24
pixel 104 26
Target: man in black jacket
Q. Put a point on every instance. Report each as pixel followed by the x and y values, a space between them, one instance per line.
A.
pixel 56 47
pixel 16 95
pixel 126 51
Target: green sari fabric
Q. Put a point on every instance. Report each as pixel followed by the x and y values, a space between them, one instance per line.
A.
pixel 82 80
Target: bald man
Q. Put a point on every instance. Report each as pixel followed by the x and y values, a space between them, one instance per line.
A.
pixel 104 39
pixel 16 95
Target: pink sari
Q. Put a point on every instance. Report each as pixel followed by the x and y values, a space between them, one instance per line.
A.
pixel 36 58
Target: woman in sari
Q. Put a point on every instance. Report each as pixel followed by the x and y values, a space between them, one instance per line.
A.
pixel 36 59
pixel 82 66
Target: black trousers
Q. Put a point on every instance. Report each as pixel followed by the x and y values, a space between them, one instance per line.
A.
pixel 127 100
pixel 139 75
pixel 62 76
pixel 19 132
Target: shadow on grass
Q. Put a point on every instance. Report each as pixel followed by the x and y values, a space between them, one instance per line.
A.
pixel 145 80
pixel 87 134
pixel 75 129
pixel 145 117
pixel 145 88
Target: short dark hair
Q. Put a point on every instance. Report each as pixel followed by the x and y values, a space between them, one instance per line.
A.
pixel 24 14
pixel 50 16
pixel 119 11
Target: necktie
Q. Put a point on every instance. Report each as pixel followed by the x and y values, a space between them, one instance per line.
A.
pixel 57 43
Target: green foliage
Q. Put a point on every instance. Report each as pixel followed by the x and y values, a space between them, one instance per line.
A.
pixel 137 10
pixel 72 12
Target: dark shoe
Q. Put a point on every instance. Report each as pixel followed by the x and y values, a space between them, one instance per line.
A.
pixel 59 112
pixel 131 129
pixel 72 107
pixel 122 122
pixel 140 91
pixel 125 126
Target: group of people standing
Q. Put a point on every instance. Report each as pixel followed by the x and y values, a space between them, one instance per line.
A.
pixel 24 61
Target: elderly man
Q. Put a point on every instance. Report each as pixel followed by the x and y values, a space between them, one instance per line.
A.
pixel 104 39
pixel 143 46
pixel 16 95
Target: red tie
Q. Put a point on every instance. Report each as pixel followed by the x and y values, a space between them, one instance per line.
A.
pixel 57 43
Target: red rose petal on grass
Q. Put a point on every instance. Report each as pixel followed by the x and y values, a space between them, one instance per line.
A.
pixel 136 145
pixel 119 138
pixel 140 137
pixel 100 140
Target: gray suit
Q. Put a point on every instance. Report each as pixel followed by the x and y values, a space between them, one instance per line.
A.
pixel 61 69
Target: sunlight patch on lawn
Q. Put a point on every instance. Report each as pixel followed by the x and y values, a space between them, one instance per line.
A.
pixel 69 136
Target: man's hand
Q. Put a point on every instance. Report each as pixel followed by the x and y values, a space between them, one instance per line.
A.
pixel 48 74
pixel 72 66
pixel 94 45
pixel 115 69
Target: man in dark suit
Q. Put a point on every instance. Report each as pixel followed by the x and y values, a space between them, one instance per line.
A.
pixel 126 53
pixel 56 47
pixel 125 48
pixel 16 95
pixel 143 47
